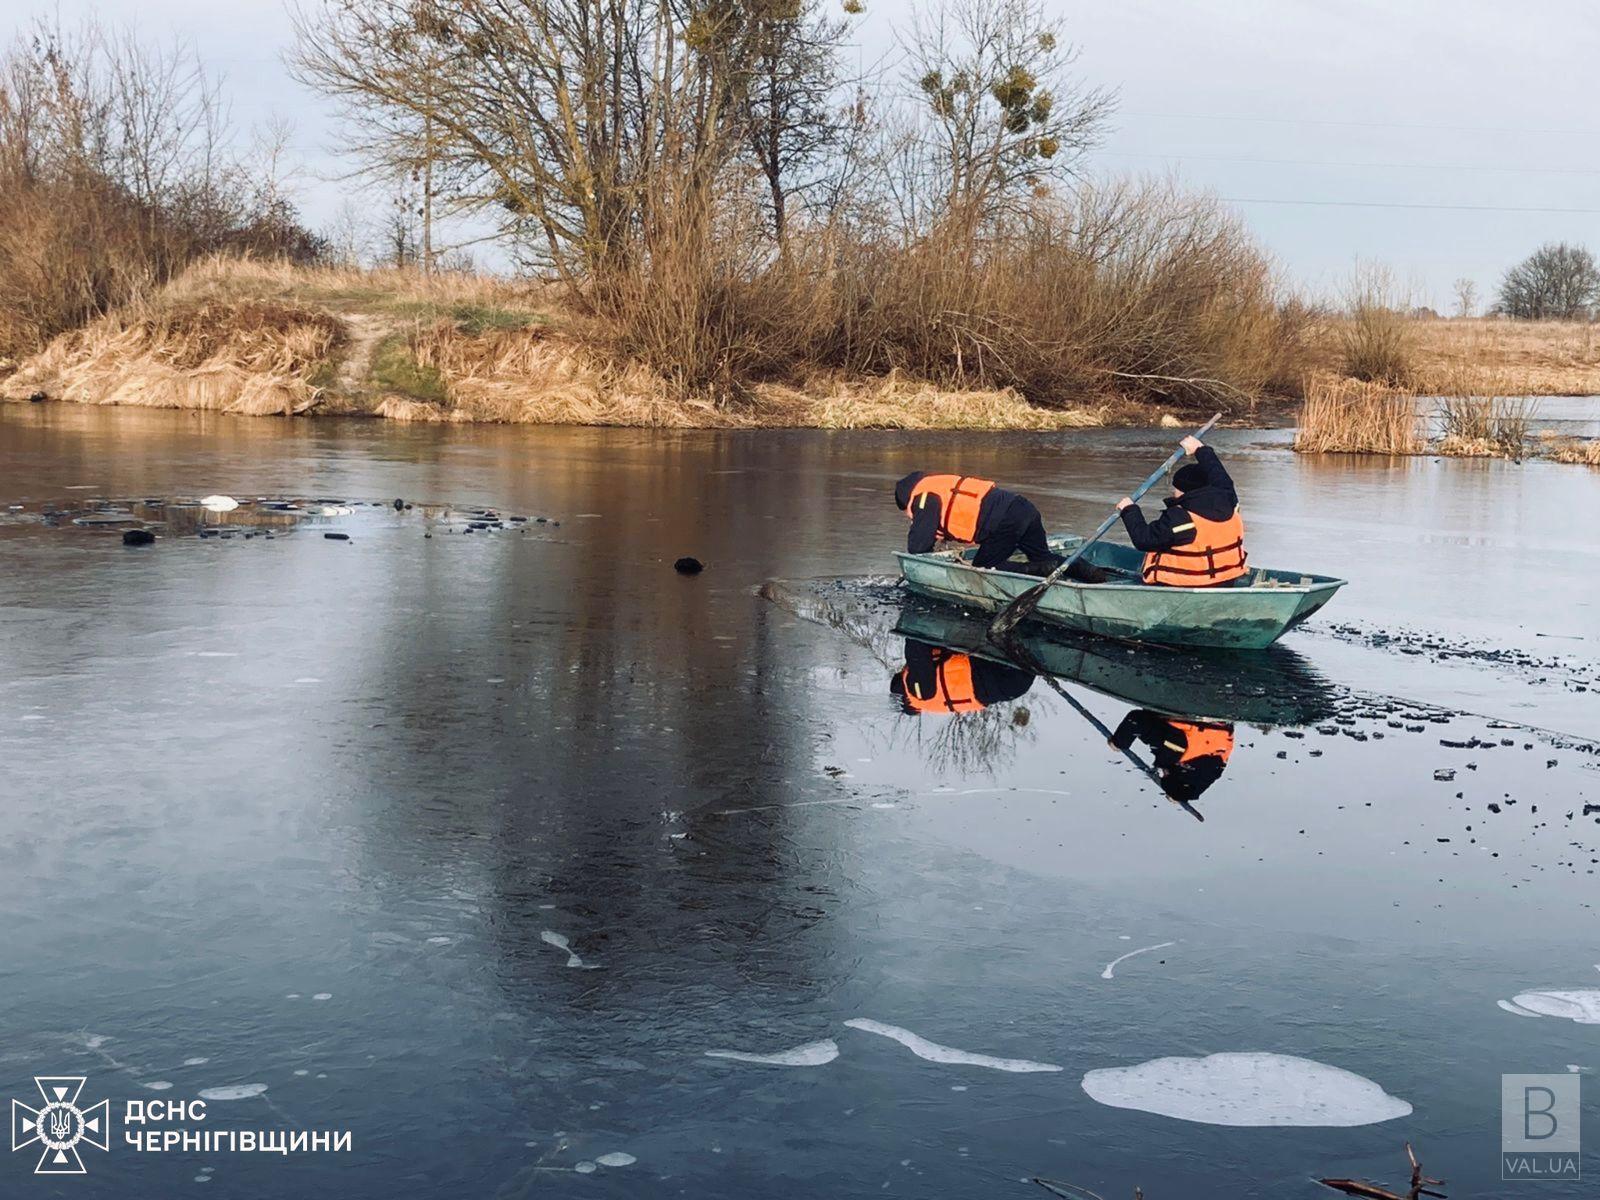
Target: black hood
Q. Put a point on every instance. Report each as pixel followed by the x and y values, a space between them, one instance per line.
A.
pixel 902 490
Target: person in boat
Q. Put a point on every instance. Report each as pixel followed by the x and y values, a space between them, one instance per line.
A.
pixel 966 509
pixel 939 680
pixel 1198 541
pixel 1188 756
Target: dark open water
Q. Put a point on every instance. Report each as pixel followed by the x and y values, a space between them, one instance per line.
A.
pixel 243 774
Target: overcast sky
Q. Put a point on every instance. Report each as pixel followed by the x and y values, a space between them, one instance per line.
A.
pixel 1441 137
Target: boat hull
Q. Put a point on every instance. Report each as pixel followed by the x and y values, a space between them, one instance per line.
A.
pixel 1247 616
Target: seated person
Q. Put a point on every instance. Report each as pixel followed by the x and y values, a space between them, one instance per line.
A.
pixel 1198 541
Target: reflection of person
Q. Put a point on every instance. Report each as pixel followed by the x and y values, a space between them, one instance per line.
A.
pixel 937 680
pixel 1188 755
pixel 1198 541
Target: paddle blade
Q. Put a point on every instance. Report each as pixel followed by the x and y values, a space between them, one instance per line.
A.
pixel 1016 612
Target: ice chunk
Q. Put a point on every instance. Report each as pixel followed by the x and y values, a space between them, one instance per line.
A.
pixel 812 1054
pixel 1246 1089
pixel 219 503
pixel 934 1052
pixel 616 1158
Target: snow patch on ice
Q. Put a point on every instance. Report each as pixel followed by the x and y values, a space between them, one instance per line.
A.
pixel 1246 1089
pixel 157 1085
pixel 617 1158
pixel 560 942
pixel 234 1091
pixel 812 1054
pixel 1576 1004
pixel 1109 972
pixel 933 1052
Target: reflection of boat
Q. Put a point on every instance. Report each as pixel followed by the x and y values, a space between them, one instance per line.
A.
pixel 1271 687
pixel 1245 617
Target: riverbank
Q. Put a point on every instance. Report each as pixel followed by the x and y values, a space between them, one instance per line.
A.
pixel 267 339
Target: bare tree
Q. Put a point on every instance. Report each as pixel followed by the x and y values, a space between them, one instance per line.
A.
pixel 793 119
pixel 1556 282
pixel 1003 116
pixel 1466 293
pixel 587 124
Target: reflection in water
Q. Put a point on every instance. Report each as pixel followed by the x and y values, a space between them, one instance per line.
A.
pixel 1188 756
pixel 937 679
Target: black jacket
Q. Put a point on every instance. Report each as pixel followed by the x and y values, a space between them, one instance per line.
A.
pixel 926 517
pixel 1216 501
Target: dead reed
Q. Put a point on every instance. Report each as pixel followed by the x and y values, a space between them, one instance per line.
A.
pixel 1346 416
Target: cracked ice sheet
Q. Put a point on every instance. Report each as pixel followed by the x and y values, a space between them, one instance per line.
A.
pixel 933 1052
pixel 812 1054
pixel 1246 1089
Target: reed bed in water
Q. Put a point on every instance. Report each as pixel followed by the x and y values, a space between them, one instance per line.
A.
pixel 1347 416
pixel 1478 420
pixel 1573 450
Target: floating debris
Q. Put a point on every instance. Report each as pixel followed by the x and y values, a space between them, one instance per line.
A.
pixel 218 503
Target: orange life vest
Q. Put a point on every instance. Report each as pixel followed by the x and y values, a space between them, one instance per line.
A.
pixel 960 497
pixel 1215 556
pixel 952 688
pixel 1199 741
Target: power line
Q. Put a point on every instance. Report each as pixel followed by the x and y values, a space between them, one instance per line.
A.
pixel 1318 162
pixel 1355 124
pixel 1387 204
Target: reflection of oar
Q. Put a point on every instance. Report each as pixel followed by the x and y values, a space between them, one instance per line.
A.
pixel 1019 609
pixel 1017 651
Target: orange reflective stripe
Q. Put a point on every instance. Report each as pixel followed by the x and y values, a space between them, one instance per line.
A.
pixel 953 690
pixel 1216 555
pixel 1200 741
pixel 960 500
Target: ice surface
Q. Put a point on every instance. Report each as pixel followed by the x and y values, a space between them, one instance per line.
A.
pixel 812 1054
pixel 934 1052
pixel 1246 1089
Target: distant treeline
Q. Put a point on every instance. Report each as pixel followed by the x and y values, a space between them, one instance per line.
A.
pixel 722 199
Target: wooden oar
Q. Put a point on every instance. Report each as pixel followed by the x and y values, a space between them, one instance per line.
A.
pixel 1022 607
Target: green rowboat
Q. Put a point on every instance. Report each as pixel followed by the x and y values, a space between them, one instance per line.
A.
pixel 1249 614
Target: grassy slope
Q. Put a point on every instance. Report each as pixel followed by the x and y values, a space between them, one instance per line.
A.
pixel 1517 358
pixel 263 338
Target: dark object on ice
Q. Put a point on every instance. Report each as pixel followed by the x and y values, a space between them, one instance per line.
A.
pixel 1421 1184
pixel 540 520
pixel 337 537
pixel 399 504
pixel 688 566
pixel 1444 775
pixel 38 398
pixel 137 537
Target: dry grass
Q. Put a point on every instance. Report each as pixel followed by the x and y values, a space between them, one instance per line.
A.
pixel 251 357
pixel 1477 419
pixel 1520 358
pixel 1346 416
pixel 1573 450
